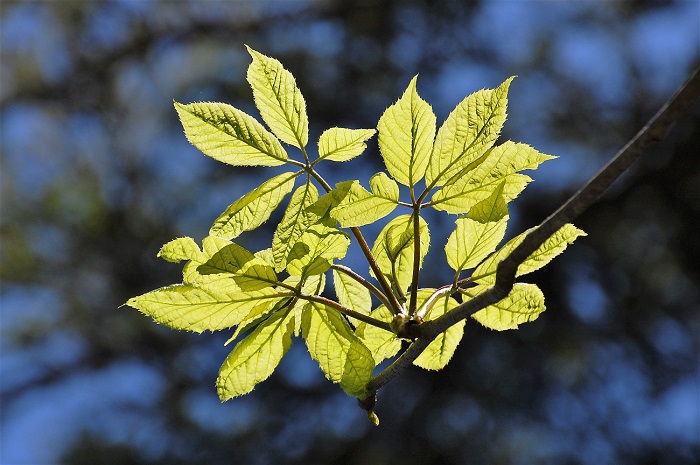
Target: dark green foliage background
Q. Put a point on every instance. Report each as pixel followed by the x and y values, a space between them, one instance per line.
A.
pixel 97 175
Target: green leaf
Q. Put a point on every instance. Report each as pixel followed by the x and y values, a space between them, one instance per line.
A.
pixel 230 136
pixel 256 315
pixel 177 250
pixel 316 249
pixel 278 99
pixel 393 248
pixel 360 207
pixel 485 273
pixel 381 343
pixel 406 133
pixel 341 355
pixel 254 208
pixel 440 350
pixel 255 358
pixel 247 271
pixel 478 234
pixel 467 133
pixel 499 166
pixel 524 304
pixel 191 274
pixel 352 294
pixel 340 144
pixel 297 219
pixel 198 309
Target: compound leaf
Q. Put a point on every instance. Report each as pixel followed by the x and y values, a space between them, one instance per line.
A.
pixel 278 99
pixel 351 294
pixel 177 250
pixel 255 358
pixel 340 144
pixel 360 207
pixel 332 343
pixel 245 269
pixel 297 219
pixel 229 135
pixel 406 133
pixel 524 304
pixel 254 208
pixel 467 133
pixel 381 343
pixel 440 350
pixel 316 249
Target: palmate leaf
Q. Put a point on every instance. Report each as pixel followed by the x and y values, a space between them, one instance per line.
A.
pixel 360 207
pixel 316 249
pixel 467 133
pixel 254 208
pixel 186 307
pixel 341 355
pixel 478 234
pixel 381 343
pixel 406 133
pixel 245 269
pixel 440 350
pixel 523 304
pixel 485 273
pixel 278 99
pixel 255 358
pixel 499 166
pixel 393 248
pixel 229 135
pixel 340 144
pixel 297 219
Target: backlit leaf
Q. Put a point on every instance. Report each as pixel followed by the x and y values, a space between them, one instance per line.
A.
pixel 406 133
pixel 278 99
pixel 254 208
pixel 340 144
pixel 246 270
pixel 524 304
pixel 360 207
pixel 297 219
pixel 230 136
pixel 440 350
pixel 351 294
pixel 177 250
pixel 467 133
pixel 381 343
pixel 255 358
pixel 316 249
pixel 341 355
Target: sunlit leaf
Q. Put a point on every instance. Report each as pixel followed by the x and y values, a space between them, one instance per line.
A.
pixel 440 350
pixel 500 166
pixel 524 304
pixel 177 250
pixel 351 294
pixel 394 248
pixel 230 136
pixel 360 207
pixel 340 144
pixel 255 358
pixel 467 133
pixel 406 133
pixel 278 99
pixel 246 270
pixel 316 249
pixel 341 355
pixel 381 343
pixel 485 273
pixel 254 208
pixel 297 219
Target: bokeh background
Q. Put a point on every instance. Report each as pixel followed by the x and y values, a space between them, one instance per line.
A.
pixel 97 175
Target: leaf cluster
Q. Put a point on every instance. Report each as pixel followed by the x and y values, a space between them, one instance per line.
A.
pixel 275 295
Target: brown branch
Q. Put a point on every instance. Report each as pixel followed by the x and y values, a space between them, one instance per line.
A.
pixel 653 132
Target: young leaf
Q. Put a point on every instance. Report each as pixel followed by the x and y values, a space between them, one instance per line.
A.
pixel 381 343
pixel 297 219
pixel 340 144
pixel 230 136
pixel 406 133
pixel 254 208
pixel 177 250
pixel 524 304
pixel 247 271
pixel 316 249
pixel 467 133
pixel 499 166
pixel 360 207
pixel 478 234
pixel 393 248
pixel 485 273
pixel 278 99
pixel 198 309
pixel 440 350
pixel 341 355
pixel 255 358
pixel 191 274
pixel 351 294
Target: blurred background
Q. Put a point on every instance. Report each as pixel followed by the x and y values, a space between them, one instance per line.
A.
pixel 97 175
